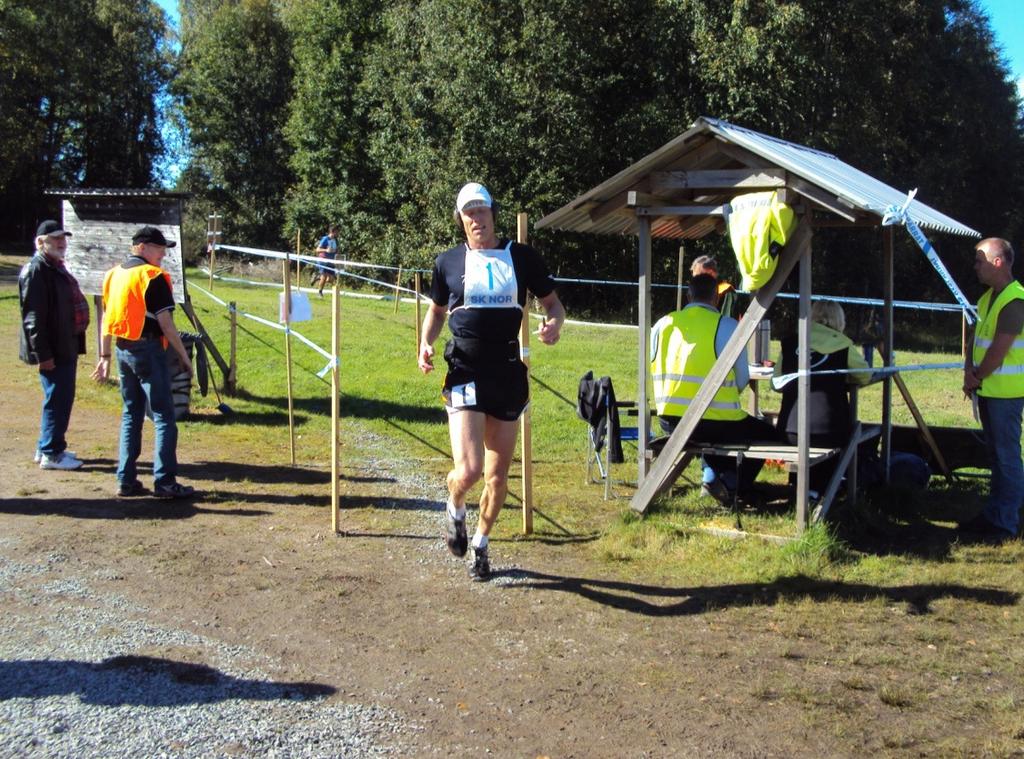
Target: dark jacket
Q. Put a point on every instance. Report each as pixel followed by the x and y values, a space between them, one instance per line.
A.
pixel 47 314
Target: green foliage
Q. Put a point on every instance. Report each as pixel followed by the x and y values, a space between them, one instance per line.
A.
pixel 235 82
pixel 78 87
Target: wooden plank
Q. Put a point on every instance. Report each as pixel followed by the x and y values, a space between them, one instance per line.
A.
pixel 636 198
pixel 644 343
pixel 887 331
pixel 826 200
pixel 525 426
pixel 685 210
pixel 607 208
pixel 837 476
pixel 666 467
pixel 101 237
pixel 744 180
pixel 803 383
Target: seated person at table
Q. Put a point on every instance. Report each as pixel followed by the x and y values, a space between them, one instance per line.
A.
pixel 684 347
pixel 829 404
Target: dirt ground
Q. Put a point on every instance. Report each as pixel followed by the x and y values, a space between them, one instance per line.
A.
pixel 556 657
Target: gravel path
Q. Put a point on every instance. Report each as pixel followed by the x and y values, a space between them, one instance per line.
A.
pixel 78 678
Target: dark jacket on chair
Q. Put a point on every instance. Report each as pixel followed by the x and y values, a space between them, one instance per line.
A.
pixel 594 400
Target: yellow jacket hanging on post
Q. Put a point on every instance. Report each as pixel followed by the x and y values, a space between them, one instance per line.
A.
pixel 759 225
pixel 683 353
pixel 124 299
pixel 1008 380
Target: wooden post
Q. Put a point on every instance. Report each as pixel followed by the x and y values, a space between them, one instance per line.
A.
pixel 887 291
pixel 335 406
pixel 212 235
pixel 679 279
pixel 418 324
pixel 803 390
pixel 232 358
pixel 398 284
pixel 963 336
pixel 213 257
pixel 643 358
pixel 526 431
pixel 97 301
pixel 288 351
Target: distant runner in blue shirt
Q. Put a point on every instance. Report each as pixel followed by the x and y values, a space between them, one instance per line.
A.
pixel 327 248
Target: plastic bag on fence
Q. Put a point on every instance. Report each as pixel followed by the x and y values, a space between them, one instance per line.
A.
pixel 302 311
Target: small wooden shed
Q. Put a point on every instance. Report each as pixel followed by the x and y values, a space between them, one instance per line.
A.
pixel 679 191
pixel 102 222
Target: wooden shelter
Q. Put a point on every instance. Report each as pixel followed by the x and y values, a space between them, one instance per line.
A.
pixel 679 191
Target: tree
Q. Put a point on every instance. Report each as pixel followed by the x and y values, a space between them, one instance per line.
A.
pixel 79 81
pixel 327 125
pixel 235 83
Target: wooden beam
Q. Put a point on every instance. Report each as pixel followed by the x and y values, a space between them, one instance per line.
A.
pixel 679 210
pixel 744 156
pixel 608 207
pixel 667 466
pixel 718 179
pixel 803 391
pixel 643 425
pixel 826 200
pixel 636 198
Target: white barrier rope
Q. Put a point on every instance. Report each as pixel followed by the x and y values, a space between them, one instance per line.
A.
pixel 898 215
pixel 332 361
pixel 782 380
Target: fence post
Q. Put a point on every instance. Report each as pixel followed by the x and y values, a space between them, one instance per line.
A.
pixel 288 351
pixel 418 324
pixel 336 405
pixel 524 423
pixel 232 358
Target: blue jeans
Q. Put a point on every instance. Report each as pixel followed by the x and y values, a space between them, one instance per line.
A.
pixel 1001 421
pixel 58 397
pixel 146 377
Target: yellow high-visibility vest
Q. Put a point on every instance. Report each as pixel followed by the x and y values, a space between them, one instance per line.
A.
pixel 124 299
pixel 685 355
pixel 1008 380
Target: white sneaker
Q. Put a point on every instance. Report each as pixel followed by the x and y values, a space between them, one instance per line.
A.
pixel 60 461
pixel 39 455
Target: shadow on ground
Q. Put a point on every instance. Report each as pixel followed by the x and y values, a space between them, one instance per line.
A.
pixel 142 681
pixel 655 601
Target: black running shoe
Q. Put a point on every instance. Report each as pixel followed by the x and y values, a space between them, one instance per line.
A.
pixel 455 535
pixel 174 490
pixel 132 490
pixel 480 569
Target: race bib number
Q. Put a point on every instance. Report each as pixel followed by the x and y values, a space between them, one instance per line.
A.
pixel 464 395
pixel 490 280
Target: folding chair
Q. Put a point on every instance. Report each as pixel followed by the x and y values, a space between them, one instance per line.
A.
pixel 597 406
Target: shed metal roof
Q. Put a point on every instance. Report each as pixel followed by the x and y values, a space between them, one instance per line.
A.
pixel 714 144
pixel 120 192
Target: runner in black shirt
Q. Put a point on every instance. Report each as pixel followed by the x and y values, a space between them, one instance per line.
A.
pixel 481 286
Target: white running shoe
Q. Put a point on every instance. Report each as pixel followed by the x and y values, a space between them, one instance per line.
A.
pixel 39 455
pixel 61 461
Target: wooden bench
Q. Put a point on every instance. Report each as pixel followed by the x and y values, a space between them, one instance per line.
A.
pixel 789 454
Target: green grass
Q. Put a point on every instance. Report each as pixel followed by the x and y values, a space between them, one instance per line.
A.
pixel 385 396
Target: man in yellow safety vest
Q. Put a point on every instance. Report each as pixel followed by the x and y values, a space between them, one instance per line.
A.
pixel 994 370
pixel 684 347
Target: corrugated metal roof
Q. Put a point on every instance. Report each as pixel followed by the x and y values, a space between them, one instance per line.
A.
pixel 125 192
pixel 826 171
pixel 602 210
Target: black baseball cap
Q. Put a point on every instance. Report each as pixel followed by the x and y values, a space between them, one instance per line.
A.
pixel 50 228
pixel 153 236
